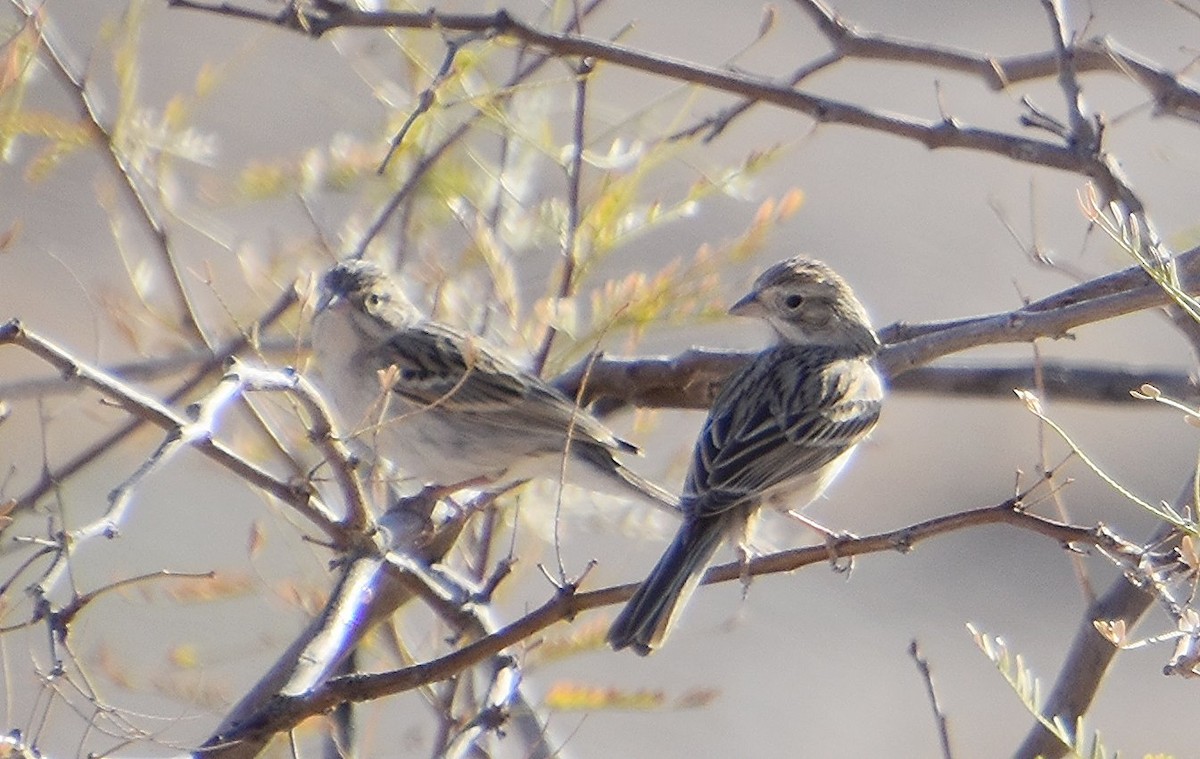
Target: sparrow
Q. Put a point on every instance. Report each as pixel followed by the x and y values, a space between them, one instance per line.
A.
pixel 447 407
pixel 778 433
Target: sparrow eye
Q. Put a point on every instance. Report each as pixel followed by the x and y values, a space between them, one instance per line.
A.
pixel 373 299
pixel 793 301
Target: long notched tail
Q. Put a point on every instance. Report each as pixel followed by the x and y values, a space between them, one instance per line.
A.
pixel 646 620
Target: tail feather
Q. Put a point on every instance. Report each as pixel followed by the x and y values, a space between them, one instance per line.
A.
pixel 647 618
pixel 609 473
pixel 647 488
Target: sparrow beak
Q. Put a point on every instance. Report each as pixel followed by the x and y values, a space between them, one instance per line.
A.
pixel 749 305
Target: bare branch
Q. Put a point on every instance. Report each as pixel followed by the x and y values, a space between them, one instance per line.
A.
pixel 285 712
pixel 370 589
pixel 939 716
pixel 297 494
pixel 940 134
pixel 645 381
pixel 52 477
pixel 1102 54
pixel 692 378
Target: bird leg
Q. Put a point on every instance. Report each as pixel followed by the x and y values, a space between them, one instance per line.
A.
pixel 840 564
pixel 747 520
pixel 744 556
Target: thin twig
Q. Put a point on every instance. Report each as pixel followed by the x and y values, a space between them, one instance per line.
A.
pixel 570 238
pixel 1087 661
pixel 240 378
pixel 943 729
pixel 76 86
pixel 1082 133
pixel 431 158
pixel 427 97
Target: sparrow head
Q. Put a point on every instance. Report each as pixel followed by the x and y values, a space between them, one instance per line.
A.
pixel 362 289
pixel 806 302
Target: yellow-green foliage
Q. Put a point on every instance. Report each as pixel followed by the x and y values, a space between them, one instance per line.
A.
pixel 1023 682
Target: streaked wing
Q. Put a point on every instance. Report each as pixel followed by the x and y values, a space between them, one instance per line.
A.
pixel 792 411
pixel 443 368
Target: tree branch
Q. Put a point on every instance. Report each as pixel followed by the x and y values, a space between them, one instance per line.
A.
pixel 999 73
pixel 1079 159
pixel 692 378
pixel 287 711
pixel 299 495
pixel 1089 658
pixel 207 365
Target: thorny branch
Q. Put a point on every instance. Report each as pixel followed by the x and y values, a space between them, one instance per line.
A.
pixel 284 712
pixel 150 409
pixel 1083 159
pixel 205 367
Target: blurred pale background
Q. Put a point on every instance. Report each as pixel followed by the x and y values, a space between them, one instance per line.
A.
pixel 811 664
